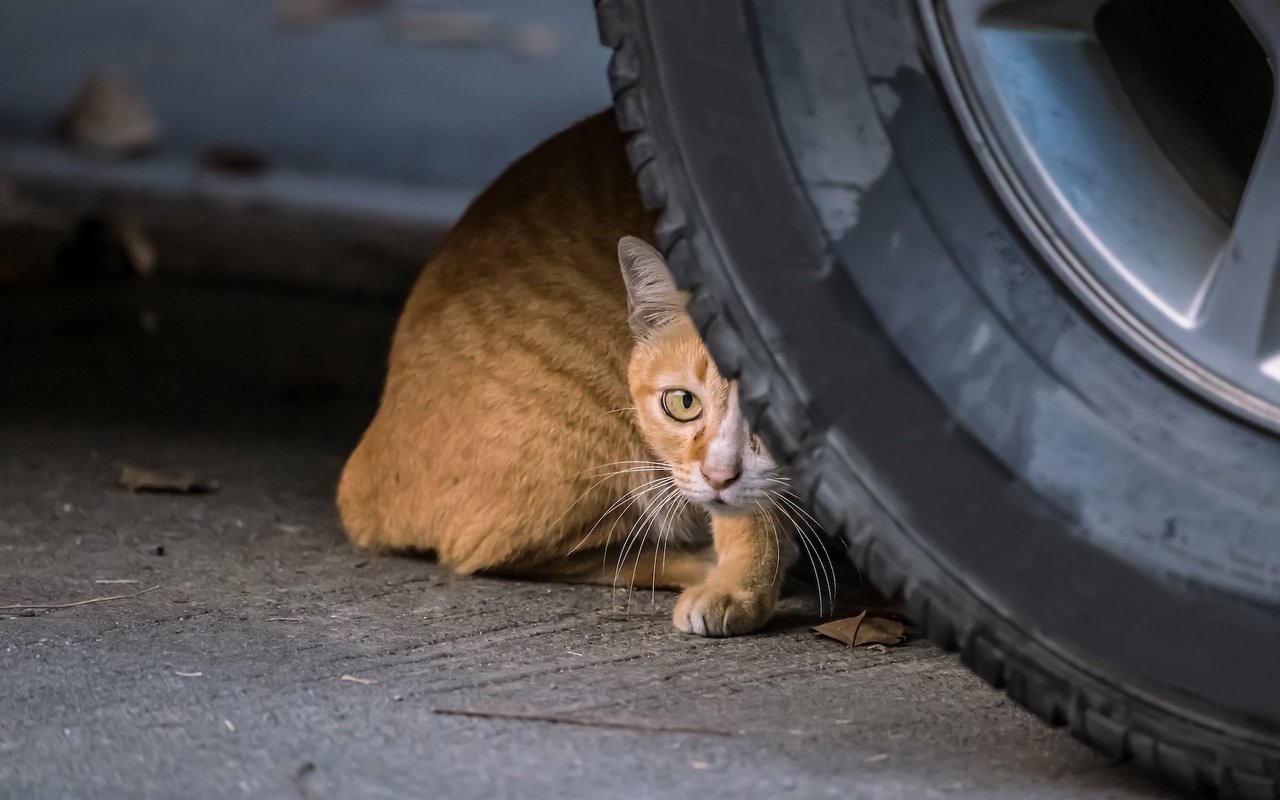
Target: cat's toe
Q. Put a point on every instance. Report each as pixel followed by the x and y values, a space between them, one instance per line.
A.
pixel 711 611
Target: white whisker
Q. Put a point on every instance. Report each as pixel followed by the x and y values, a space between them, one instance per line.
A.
pixel 635 529
pixel 796 502
pixel 814 551
pixel 665 536
pixel 668 508
pixel 631 463
pixel 635 538
pixel 592 487
pixel 800 508
pixel 828 567
pixel 604 558
pixel 777 541
pixel 634 495
pixel 819 550
pixel 804 544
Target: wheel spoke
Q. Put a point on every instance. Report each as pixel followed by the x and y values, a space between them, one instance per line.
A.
pixel 1127 162
pixel 1240 312
pixel 1261 17
pixel 1063 14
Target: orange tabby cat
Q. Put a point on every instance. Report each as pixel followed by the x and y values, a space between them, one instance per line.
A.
pixel 547 414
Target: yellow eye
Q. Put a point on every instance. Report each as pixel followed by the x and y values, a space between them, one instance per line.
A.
pixel 681 405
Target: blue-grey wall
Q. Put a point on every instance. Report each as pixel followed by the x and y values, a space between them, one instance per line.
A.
pixel 345 97
pixel 374 140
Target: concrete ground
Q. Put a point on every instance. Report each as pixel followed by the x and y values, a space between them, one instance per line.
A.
pixel 227 679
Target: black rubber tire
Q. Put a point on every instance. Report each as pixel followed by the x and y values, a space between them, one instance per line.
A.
pixel 1151 641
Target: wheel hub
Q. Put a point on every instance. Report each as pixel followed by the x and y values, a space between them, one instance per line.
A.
pixel 1136 143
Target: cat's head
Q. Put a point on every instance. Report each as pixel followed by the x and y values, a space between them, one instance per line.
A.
pixel 687 411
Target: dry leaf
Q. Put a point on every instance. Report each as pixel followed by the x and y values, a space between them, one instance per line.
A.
pixel 864 629
pixel 879 630
pixel 107 246
pixel 141 479
pixel 138 248
pixel 109 116
pixel 842 630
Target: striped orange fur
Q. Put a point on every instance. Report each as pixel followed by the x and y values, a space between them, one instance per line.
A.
pixel 522 429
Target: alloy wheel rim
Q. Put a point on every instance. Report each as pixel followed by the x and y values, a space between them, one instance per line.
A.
pixel 1157 225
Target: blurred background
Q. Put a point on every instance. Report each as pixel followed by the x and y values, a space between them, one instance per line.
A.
pixel 228 138
pixel 211 210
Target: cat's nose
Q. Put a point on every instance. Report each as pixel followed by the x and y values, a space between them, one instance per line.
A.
pixel 720 478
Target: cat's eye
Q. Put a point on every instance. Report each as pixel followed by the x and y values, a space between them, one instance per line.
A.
pixel 681 405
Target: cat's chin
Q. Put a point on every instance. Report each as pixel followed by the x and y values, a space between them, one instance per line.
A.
pixel 725 509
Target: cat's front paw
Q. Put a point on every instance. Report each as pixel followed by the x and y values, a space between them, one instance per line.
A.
pixel 710 610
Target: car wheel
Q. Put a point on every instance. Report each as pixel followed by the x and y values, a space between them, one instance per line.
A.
pixel 1001 289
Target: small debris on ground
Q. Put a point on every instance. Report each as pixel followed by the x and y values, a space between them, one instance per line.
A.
pixel 453 27
pixel 134 478
pixel 234 160
pixel 305 13
pixel 586 722
pixel 50 606
pixel 116 580
pixel 535 42
pixel 867 628
pixel 314 13
pixel 138 247
pixel 108 116
pixel 354 679
pixel 188 674
pixel 107 247
pixel 302 780
pixel 230 726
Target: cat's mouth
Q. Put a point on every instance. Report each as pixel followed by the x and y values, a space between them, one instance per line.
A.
pixel 735 507
pixel 731 502
pixel 743 496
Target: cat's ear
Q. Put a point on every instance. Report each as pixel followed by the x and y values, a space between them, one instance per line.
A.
pixel 652 297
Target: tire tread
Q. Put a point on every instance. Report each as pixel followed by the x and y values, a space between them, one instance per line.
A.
pixel 1118 729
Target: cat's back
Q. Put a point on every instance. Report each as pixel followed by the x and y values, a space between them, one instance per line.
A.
pixel 541 240
pixel 507 371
